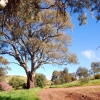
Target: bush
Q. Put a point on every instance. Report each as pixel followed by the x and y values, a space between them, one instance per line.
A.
pixel 73 79
pixel 57 81
pixel 40 80
pixel 24 86
pixel 5 87
pixel 84 80
pixel 16 82
pixel 97 76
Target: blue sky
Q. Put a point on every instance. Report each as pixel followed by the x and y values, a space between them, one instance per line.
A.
pixel 85 40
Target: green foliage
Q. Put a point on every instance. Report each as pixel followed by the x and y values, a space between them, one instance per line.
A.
pixel 66 85
pixel 16 82
pixel 97 76
pixel 73 78
pixel 3 68
pixel 84 80
pixel 31 94
pixel 40 80
pixel 77 83
pixel 73 6
pixel 9 77
pixel 3 61
pixel 62 77
pixel 95 67
pixel 57 81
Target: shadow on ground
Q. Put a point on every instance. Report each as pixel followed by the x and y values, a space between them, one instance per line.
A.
pixel 15 98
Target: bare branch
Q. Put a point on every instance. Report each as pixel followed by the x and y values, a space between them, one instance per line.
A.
pixel 9 53
pixel 25 52
pixel 98 48
pixel 15 63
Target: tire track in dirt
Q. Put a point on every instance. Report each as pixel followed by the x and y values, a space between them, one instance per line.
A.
pixel 76 93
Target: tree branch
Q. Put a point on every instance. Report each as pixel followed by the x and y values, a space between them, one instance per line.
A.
pixel 97 48
pixel 15 63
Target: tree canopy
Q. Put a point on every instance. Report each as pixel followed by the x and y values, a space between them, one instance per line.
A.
pixel 3 68
pixel 82 72
pixel 71 6
pixel 4 63
pixel 60 77
pixel 95 67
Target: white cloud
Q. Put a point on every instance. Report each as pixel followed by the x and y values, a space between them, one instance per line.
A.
pixel 92 55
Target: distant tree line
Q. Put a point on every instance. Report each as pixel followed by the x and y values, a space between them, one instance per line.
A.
pixel 59 77
pixel 82 73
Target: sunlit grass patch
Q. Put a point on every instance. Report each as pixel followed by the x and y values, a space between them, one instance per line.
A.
pixel 77 83
pixel 31 94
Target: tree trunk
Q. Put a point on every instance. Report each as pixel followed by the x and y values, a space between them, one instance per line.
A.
pixel 30 80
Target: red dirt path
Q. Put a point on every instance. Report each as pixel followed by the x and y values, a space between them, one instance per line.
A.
pixel 76 93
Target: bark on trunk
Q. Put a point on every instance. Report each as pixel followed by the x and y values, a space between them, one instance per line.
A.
pixel 30 80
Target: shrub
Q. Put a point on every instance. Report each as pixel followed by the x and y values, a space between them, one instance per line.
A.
pixel 24 86
pixel 16 82
pixel 57 81
pixel 84 80
pixel 40 80
pixel 97 76
pixel 5 87
pixel 73 79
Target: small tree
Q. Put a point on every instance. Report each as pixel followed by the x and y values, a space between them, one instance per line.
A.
pixel 95 67
pixel 65 75
pixel 55 75
pixel 82 72
pixel 71 77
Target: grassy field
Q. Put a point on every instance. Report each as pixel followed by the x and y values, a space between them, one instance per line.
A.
pixel 77 83
pixel 31 94
pixel 20 77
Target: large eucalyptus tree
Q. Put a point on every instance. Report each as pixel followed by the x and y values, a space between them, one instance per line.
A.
pixel 36 36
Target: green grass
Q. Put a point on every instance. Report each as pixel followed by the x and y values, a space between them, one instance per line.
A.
pixel 77 83
pixel 92 82
pixel 66 85
pixel 31 94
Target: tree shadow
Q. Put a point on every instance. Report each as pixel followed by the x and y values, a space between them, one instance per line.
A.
pixel 10 98
pixel 14 98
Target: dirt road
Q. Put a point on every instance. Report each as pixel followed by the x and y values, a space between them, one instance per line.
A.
pixel 77 93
